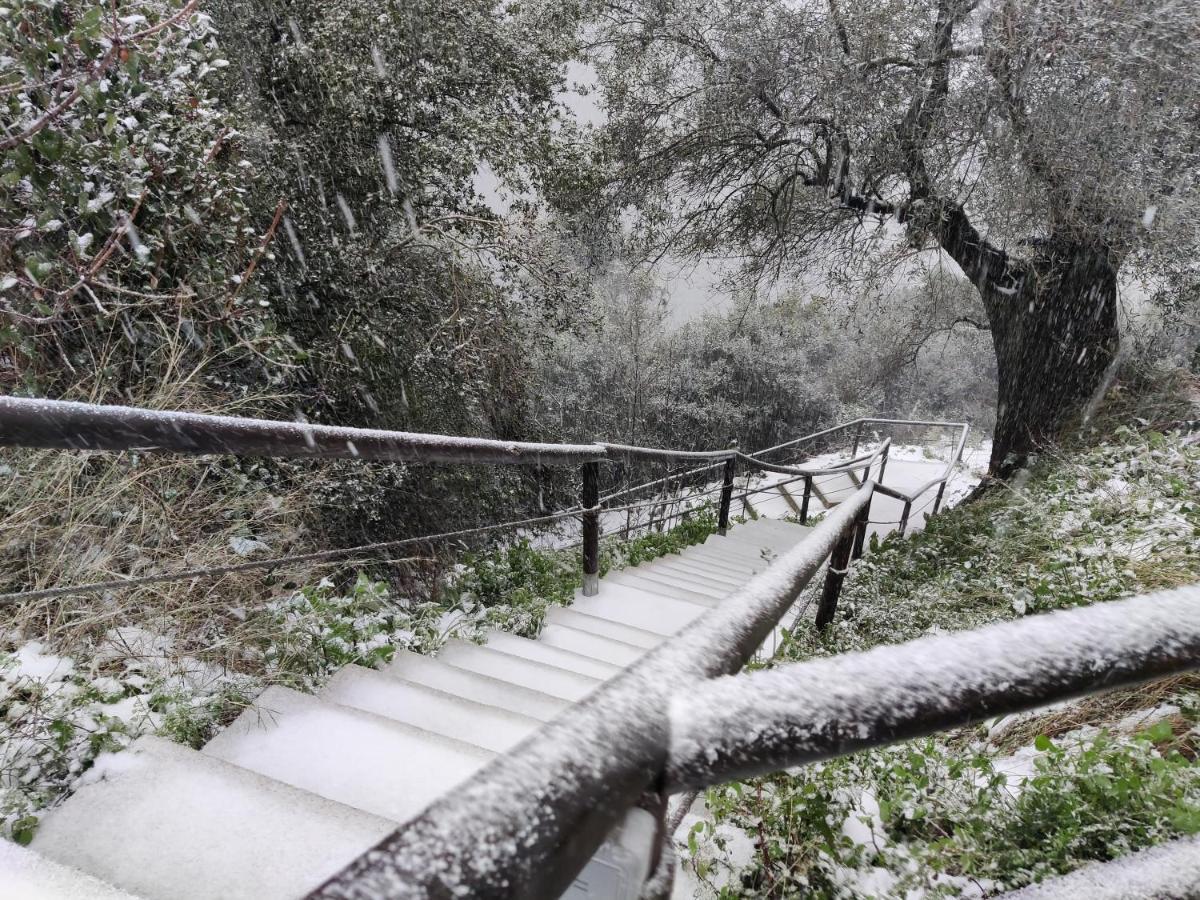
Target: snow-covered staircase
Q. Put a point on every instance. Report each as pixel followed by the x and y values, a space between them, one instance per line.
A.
pixel 300 785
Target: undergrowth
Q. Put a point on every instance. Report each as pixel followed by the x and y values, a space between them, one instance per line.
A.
pixel 986 809
pixel 184 673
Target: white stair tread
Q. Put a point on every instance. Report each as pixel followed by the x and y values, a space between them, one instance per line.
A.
pixel 541 652
pixel 596 646
pixel 343 754
pixel 697 570
pixel 573 618
pixel 517 670
pixel 427 708
pixel 663 587
pixel 690 577
pixel 551 655
pixel 169 823
pixel 640 610
pixel 484 689
pixel 652 596
pixel 25 875
pixel 744 566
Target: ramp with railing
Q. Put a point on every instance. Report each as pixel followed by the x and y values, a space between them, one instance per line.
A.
pixel 530 768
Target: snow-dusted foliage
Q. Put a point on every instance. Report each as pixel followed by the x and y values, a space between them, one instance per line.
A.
pixel 1029 795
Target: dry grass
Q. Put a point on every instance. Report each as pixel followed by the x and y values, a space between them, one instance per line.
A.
pixel 1101 710
pixel 78 517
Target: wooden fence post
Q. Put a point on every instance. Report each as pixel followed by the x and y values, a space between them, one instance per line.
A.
pixel 904 517
pixel 591 528
pixel 807 497
pixel 726 495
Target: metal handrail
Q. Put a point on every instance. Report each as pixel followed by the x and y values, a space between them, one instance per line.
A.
pixel 525 824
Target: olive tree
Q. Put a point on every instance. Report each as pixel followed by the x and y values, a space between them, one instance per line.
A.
pixel 1047 147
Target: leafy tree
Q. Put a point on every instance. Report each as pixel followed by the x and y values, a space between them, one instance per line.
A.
pixel 1048 147
pixel 125 221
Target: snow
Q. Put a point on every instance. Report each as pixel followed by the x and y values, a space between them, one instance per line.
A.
pixel 428 708
pixel 1167 871
pixel 24 875
pixel 142 828
pixel 527 673
pixel 34 663
pixel 357 758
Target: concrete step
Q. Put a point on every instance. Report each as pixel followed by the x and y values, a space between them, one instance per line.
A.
pixel 169 823
pixel 732 557
pixel 645 593
pixel 585 643
pixel 551 655
pixel 639 609
pixel 25 875
pixel 472 686
pixel 573 618
pixel 697 570
pixel 661 587
pixel 427 708
pixel 347 755
pixel 526 673
pixel 690 575
pixel 705 557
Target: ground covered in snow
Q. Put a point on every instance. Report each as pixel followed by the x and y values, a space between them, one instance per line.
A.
pixel 995 807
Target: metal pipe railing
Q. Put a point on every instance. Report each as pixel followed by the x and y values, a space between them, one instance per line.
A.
pixel 530 820
pixel 734 728
pixel 65 425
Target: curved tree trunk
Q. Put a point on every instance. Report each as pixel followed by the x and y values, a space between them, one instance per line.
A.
pixel 1056 335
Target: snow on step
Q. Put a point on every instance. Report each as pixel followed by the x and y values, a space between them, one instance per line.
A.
pixel 169 823
pixel 343 754
pixel 743 565
pixel 573 618
pixel 719 587
pixel 651 595
pixel 831 490
pixel 595 646
pixel 517 670
pixel 25 875
pixel 696 570
pixel 427 708
pixel 662 586
pixel 639 609
pixel 484 689
pixel 550 655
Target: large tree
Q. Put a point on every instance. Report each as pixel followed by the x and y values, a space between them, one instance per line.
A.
pixel 1045 146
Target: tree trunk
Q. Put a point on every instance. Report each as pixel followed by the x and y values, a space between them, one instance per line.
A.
pixel 1055 337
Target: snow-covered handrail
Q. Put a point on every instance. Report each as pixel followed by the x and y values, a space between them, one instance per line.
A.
pixel 862 461
pixel 775 719
pixel 614 450
pixel 528 822
pixel 66 425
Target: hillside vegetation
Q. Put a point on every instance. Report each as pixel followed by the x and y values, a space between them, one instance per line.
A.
pixel 1020 798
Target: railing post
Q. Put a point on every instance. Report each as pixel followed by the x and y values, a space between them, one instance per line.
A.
pixel 937 504
pixel 860 528
pixel 839 562
pixel 807 497
pixel 904 517
pixel 883 462
pixel 591 528
pixel 857 438
pixel 726 494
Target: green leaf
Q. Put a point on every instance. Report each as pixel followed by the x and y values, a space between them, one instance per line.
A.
pixel 1160 732
pixel 1043 743
pixel 23 829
